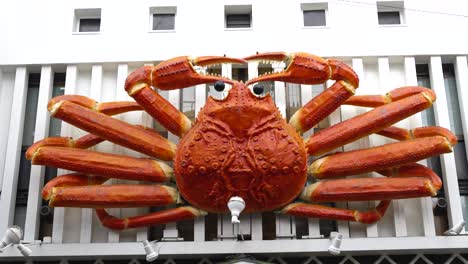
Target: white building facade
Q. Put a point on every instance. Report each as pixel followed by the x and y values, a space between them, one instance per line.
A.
pixel 49 48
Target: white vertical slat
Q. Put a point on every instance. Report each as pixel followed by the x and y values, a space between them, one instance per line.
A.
pixel 200 100
pixel 59 212
pixel 226 229
pixel 5 107
pixel 306 96
pixel 87 213
pixel 170 229
pixel 342 226
pixel 358 66
pixel 256 218
pixel 13 149
pixel 427 217
pixel 280 90
pixel 147 121
pixel 399 220
pixel 461 75
pixel 285 224
pixel 452 193
pixel 120 95
pixel 41 131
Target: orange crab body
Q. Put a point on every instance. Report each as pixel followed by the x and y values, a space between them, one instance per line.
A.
pixel 240 146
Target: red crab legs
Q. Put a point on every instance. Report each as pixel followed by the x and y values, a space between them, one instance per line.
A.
pixel 90 116
pixel 71 191
pixel 172 74
pixel 304 68
pixel 407 181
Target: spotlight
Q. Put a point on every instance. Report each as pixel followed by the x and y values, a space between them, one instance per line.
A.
pixel 13 235
pixel 151 255
pixel 334 247
pixel 456 230
pixel 236 205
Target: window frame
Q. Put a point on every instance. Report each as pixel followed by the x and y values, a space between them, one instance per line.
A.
pixel 238 10
pixel 86 13
pixel 162 10
pixel 316 6
pixel 390 7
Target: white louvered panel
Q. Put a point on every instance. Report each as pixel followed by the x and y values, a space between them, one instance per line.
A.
pixel 6 98
pixel 306 96
pixel 200 100
pixel 13 148
pixel 95 91
pixel 452 193
pixel 285 225
pixel 59 212
pixel 424 205
pixel 357 229
pixel 145 120
pixel 397 207
pixel 170 229
pixel 335 118
pixel 255 218
pixel 226 229
pixel 41 131
pixel 119 95
pixel 461 74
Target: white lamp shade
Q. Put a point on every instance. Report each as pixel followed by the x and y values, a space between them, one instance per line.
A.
pixel 13 235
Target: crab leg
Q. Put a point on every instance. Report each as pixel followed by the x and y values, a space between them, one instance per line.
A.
pixel 83 113
pixel 156 218
pixel 420 132
pixel 79 190
pixel 420 143
pixel 368 123
pixel 326 212
pixel 378 100
pixel 112 196
pixel 378 158
pixel 305 68
pixel 365 189
pixel 103 164
pixel 168 75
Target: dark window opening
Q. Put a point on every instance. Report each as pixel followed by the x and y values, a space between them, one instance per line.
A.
pixel 314 18
pixel 238 21
pixel 90 25
pixel 389 18
pixel 163 21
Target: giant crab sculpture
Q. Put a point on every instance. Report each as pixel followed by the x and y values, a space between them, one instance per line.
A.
pixel 241 146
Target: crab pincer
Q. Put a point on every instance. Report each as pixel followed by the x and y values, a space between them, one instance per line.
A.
pixel 304 68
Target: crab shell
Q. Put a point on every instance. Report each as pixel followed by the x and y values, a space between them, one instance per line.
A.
pixel 240 146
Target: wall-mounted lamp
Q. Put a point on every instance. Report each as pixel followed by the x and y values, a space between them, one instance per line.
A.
pixel 236 205
pixel 13 235
pixel 456 230
pixel 151 254
pixel 335 243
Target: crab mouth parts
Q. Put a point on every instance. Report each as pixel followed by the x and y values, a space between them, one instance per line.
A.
pixel 240 179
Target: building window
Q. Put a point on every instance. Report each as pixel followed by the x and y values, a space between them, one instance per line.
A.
pixel 314 14
pixel 87 20
pixel 238 16
pixel 390 12
pixel 162 18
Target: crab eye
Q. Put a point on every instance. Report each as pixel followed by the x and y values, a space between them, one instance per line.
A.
pixel 219 86
pixel 258 89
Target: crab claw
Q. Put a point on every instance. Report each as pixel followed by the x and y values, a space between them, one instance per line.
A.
pixel 177 73
pixel 304 68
